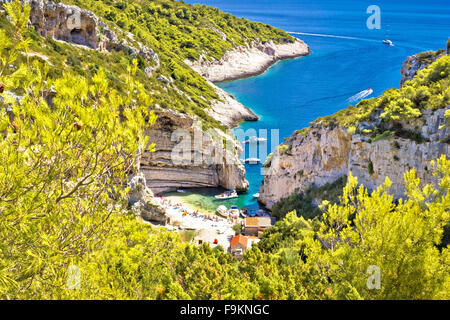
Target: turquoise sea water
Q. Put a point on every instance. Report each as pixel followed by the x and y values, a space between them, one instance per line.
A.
pixel 293 93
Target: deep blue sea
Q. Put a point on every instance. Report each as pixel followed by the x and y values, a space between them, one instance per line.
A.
pixel 293 93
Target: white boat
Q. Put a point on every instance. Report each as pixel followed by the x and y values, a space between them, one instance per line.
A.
pixel 256 195
pixel 255 139
pixel 388 42
pixel 227 195
pixel 252 160
pixel 222 211
pixel 181 191
pixel 234 212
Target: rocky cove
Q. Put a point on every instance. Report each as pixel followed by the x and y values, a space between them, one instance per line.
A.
pixel 80 27
pixel 326 153
pixel 320 156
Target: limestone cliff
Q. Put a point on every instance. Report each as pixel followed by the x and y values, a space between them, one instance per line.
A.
pixel 325 153
pixel 248 60
pixel 82 27
pixel 202 161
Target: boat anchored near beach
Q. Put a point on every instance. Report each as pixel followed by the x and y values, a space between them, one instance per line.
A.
pixel 233 212
pixel 251 160
pixel 230 194
pixel 255 139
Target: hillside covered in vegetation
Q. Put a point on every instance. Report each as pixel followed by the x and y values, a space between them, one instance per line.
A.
pixel 72 123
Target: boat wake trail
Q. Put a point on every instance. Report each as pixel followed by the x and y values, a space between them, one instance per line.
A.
pixel 330 36
pixel 355 97
pixel 328 98
pixel 360 95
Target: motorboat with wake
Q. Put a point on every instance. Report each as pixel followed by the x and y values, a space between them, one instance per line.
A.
pixel 388 42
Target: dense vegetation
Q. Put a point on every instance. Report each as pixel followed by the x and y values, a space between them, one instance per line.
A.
pixel 66 231
pixel 306 203
pixel 181 30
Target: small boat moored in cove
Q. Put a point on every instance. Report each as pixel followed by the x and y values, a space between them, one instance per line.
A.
pixel 227 195
pixel 251 160
pixel 256 195
pixel 234 212
pixel 255 139
pixel 222 211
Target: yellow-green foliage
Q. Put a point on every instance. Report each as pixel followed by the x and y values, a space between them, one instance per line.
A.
pixel 63 208
pixel 282 149
pixel 178 31
pixel 64 163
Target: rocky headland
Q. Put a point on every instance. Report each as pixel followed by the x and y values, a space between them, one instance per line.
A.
pixel 247 61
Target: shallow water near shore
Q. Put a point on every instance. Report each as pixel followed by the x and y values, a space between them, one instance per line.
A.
pixel 202 199
pixel 294 92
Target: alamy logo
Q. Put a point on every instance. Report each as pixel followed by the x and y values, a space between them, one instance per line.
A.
pixel 73 277
pixel 374 20
pixel 374 279
pixel 213 147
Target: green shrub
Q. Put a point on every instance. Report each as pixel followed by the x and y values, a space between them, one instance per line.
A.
pixel 303 203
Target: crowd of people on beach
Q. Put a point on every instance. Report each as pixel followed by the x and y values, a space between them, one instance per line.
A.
pixel 169 204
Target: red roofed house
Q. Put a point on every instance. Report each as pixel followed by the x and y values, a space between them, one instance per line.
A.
pixel 238 246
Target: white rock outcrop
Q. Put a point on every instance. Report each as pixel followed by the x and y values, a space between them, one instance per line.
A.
pixel 248 60
pixel 142 200
pixel 82 27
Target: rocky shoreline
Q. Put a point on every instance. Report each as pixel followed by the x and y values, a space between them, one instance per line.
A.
pixel 248 61
pixel 228 110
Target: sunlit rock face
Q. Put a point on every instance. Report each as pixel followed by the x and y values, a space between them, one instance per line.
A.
pixel 142 201
pixel 203 161
pixel 325 154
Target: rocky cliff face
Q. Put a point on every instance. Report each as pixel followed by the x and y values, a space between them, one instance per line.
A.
pixel 324 154
pixel 188 157
pixel 142 201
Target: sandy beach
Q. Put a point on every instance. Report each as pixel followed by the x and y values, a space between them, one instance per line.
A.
pixel 182 200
